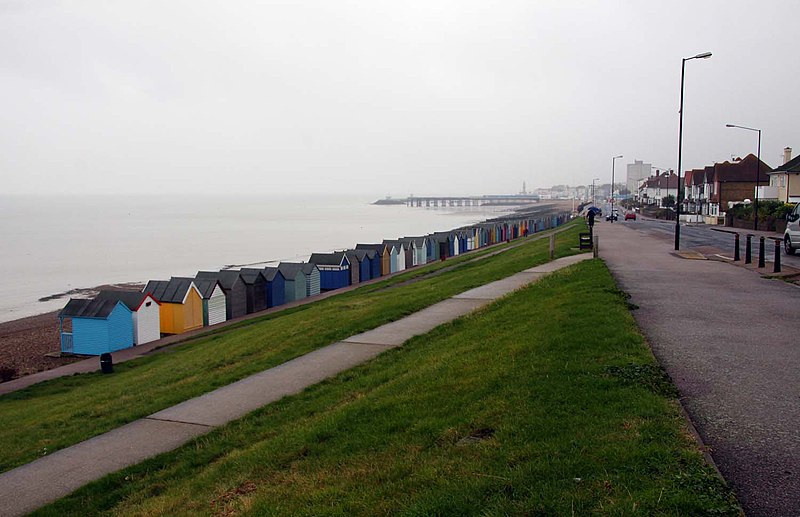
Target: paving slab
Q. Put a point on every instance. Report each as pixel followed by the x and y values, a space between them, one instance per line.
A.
pixel 499 288
pixel 398 332
pixel 235 400
pixel 560 263
pixel 44 480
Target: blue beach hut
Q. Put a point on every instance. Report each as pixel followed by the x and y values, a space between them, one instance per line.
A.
pixel 275 287
pixel 97 327
pixel 334 270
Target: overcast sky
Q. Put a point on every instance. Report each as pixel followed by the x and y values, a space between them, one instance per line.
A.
pixel 383 97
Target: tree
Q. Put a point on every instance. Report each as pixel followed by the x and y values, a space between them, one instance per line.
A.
pixel 668 201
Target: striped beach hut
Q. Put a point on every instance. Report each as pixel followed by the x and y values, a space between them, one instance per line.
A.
pixel 312 279
pixel 144 313
pixel 383 252
pixel 234 289
pixel 256 284
pixel 295 280
pixel 334 270
pixel 94 327
pixel 214 302
pixel 181 306
pixel 276 286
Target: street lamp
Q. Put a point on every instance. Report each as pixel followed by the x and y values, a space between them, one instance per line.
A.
pixel 612 186
pixel 704 55
pixel 758 170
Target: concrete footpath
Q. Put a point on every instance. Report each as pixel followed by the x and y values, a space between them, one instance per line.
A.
pixel 33 485
pixel 729 339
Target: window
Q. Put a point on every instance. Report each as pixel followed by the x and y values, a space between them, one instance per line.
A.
pixel 148 304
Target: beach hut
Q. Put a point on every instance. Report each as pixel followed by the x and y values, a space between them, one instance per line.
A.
pixel 256 284
pixel 359 260
pixel 276 286
pixel 181 306
pixel 234 288
pixel 294 281
pixel 443 245
pixel 94 327
pixel 144 313
pixel 312 278
pixel 214 301
pixel 334 270
pixel 410 245
pixel 392 256
pixel 383 252
pixel 374 263
pixel 433 248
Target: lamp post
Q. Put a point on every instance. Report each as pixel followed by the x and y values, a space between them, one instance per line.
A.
pixel 704 55
pixel 612 186
pixel 758 170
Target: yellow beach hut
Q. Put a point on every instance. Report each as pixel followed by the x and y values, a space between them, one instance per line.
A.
pixel 181 306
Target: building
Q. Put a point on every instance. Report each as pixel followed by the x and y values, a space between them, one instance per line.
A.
pixel 638 171
pixel 786 179
pixel 234 288
pixel 94 327
pixel 181 306
pixel 656 188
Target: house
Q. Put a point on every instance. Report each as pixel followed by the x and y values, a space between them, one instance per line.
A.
pixel 729 182
pixel 383 252
pixel 334 270
pixel 144 313
pixel 94 327
pixel 214 301
pixel 786 178
pixel 181 306
pixel 276 285
pixel 312 279
pixel 656 188
pixel 256 284
pixel 295 280
pixel 234 288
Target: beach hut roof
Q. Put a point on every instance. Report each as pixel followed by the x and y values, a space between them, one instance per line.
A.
pixel 370 253
pixel 204 285
pixel 78 308
pixel 227 277
pixel 308 268
pixel 394 243
pixel 250 275
pixel 328 259
pixel 271 272
pixel 378 248
pixel 132 299
pixel 358 255
pixel 170 291
pixel 419 241
pixel 291 269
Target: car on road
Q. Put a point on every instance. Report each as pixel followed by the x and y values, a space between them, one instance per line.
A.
pixel 791 237
pixel 630 215
pixel 613 216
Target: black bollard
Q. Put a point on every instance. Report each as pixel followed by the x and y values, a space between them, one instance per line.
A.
pixel 736 256
pixel 761 252
pixel 748 249
pixel 776 268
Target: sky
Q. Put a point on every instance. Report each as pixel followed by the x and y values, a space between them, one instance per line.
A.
pixel 376 97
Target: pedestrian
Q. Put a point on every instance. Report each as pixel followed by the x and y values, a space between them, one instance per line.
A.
pixel 591 220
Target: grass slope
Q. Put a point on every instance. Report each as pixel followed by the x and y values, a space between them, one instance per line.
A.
pixel 548 402
pixel 53 415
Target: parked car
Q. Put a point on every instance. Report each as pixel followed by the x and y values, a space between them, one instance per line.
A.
pixel 791 237
pixel 630 215
pixel 613 216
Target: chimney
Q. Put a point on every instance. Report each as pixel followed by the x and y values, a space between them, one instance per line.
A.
pixel 787 154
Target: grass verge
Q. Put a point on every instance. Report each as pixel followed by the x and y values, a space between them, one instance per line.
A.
pixel 55 414
pixel 540 404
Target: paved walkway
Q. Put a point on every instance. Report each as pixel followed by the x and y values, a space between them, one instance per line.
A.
pixel 30 486
pixel 729 339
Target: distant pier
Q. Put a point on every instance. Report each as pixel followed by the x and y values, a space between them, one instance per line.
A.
pixel 462 201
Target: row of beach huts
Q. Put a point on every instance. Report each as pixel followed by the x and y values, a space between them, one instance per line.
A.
pixel 115 320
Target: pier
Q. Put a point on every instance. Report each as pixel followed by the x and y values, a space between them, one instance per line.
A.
pixel 468 201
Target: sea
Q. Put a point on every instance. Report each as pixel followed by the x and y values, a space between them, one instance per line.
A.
pixel 53 245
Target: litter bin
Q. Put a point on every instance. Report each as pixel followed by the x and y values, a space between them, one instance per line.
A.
pixel 106 364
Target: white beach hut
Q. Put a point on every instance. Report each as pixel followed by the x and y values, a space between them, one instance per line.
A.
pixel 144 312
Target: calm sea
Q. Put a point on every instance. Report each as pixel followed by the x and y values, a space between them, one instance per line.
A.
pixel 52 245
